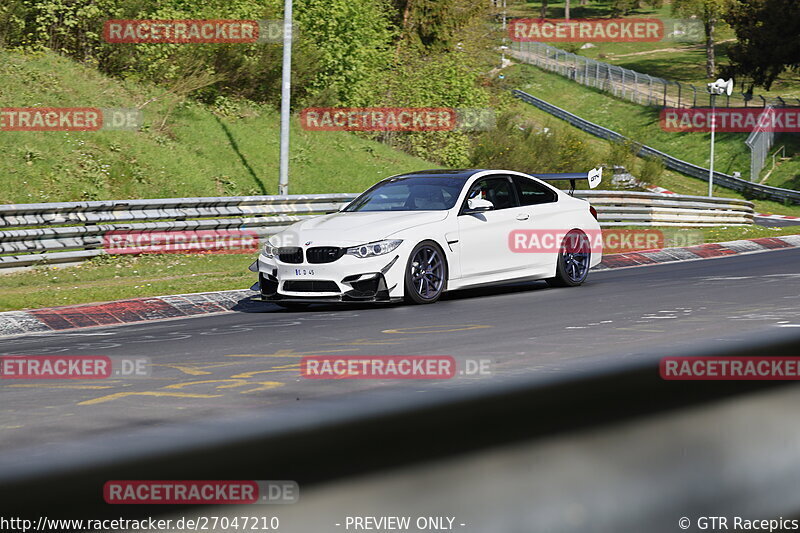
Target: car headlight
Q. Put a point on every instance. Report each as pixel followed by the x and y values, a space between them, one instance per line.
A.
pixel 269 250
pixel 374 248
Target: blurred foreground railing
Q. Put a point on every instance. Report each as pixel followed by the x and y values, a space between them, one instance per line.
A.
pixel 608 446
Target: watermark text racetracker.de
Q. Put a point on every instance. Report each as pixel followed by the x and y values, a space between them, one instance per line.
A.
pixel 222 241
pixel 408 119
pixel 730 368
pixel 605 241
pixel 193 31
pixel 392 367
pixel 72 367
pixel 731 119
pixel 605 30
pixel 69 119
pixel 200 492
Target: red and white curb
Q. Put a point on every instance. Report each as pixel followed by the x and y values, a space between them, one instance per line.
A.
pixel 659 190
pixel 121 312
pixel 701 251
pixel 187 305
pixel 776 217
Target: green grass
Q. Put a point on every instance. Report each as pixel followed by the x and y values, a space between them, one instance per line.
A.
pixel 184 149
pixel 786 173
pixel 732 233
pixel 108 278
pixel 687 236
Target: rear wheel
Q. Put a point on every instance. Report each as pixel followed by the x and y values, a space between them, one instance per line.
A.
pixel 573 261
pixel 426 273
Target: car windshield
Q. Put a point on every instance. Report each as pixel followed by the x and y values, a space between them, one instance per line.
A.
pixel 410 194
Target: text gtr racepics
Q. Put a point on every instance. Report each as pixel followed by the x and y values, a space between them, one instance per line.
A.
pixel 415 236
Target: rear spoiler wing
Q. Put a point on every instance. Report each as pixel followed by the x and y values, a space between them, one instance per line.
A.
pixel 595 176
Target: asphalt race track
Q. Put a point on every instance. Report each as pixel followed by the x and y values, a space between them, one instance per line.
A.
pixel 776 222
pixel 221 364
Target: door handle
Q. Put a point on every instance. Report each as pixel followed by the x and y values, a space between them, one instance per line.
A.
pixel 523 216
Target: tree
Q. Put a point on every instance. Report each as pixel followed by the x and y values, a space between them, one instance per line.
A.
pixel 352 42
pixel 543 12
pixel 708 11
pixel 438 25
pixel 625 7
pixel 767 43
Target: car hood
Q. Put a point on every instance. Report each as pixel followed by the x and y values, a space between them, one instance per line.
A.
pixel 353 228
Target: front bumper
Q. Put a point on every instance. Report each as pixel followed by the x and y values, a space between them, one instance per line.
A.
pixel 348 279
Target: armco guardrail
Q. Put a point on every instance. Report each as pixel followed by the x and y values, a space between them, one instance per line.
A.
pixel 32 234
pixel 629 208
pixel 73 231
pixel 755 190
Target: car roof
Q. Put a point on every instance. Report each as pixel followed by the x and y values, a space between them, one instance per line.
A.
pixel 460 173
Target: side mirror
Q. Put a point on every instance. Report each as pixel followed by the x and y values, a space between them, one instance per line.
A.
pixel 477 205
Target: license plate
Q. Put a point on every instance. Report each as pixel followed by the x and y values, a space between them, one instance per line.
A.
pixel 303 272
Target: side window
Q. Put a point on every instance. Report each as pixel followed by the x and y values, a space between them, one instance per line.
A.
pixel 496 190
pixel 532 193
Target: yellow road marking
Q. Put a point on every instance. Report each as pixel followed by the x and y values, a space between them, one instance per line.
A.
pixel 119 395
pixel 432 329
pixel 265 385
pixel 196 370
pixel 280 368
pixel 230 383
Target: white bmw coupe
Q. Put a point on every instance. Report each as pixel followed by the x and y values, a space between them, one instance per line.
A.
pixel 416 236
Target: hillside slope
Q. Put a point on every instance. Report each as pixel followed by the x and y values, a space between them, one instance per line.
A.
pixel 184 149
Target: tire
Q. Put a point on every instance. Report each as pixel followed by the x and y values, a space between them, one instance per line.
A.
pixel 425 286
pixel 292 306
pixel 573 262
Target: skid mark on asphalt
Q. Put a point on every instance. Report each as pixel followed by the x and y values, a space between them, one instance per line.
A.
pixel 363 342
pixel 51 386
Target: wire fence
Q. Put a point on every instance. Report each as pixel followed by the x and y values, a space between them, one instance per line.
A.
pixel 630 85
pixel 760 142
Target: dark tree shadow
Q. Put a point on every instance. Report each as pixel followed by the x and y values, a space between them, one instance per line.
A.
pixel 242 158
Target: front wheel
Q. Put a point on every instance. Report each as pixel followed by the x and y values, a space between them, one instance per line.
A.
pixel 574 258
pixel 426 273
